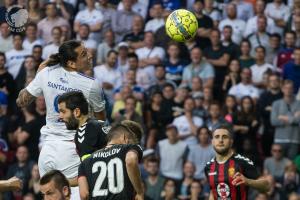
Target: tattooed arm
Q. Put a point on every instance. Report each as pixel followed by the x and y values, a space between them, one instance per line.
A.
pixel 25 98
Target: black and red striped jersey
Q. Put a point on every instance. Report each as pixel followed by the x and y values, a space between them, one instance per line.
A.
pixel 220 177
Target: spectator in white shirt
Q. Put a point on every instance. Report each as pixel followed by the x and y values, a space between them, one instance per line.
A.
pixel 122 64
pixel 280 13
pixel 187 124
pixel 16 56
pixel 90 44
pixel 251 26
pixel 52 48
pixel 31 38
pixel 244 9
pixel 158 20
pixel 212 12
pixel 108 75
pixel 92 17
pixel 237 25
pixel 260 67
pixel 6 39
pixel 245 87
pixel 150 55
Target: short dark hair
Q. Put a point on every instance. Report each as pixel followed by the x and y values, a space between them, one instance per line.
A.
pixel 3 55
pixel 261 47
pixel 133 55
pixel 37 46
pixel 110 52
pixel 291 32
pixel 32 24
pixel 73 100
pixel 276 35
pixel 60 181
pixel 226 127
pixel 131 129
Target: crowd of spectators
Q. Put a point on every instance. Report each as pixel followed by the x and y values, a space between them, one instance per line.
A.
pixel 242 69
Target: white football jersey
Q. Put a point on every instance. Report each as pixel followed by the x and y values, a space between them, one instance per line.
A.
pixel 54 81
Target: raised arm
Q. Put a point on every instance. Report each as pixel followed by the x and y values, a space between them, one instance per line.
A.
pixel 25 98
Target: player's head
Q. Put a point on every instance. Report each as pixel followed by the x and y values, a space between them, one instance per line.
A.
pixel 55 186
pixel 125 132
pixel 71 106
pixel 72 55
pixel 222 139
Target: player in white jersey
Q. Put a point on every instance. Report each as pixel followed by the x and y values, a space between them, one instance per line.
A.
pixel 62 74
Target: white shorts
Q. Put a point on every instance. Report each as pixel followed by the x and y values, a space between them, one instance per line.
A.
pixel 59 155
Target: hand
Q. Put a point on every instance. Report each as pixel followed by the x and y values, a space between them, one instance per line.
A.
pixel 15 183
pixel 268 108
pixel 239 179
pixel 107 85
pixel 139 197
pixel 254 123
pixel 283 118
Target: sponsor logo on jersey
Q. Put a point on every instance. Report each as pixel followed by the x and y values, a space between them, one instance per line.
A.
pixel 106 129
pixel 231 171
pixel 212 173
pixel 223 190
pixel 61 87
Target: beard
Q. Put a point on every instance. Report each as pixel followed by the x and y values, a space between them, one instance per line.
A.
pixel 223 151
pixel 72 123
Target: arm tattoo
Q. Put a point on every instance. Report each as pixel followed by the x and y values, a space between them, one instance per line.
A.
pixel 25 98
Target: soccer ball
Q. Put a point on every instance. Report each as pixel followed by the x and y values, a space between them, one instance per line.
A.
pixel 181 25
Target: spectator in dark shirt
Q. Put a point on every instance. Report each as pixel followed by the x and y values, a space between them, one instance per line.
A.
pixel 291 70
pixel 233 48
pixel 286 52
pixel 245 59
pixel 135 39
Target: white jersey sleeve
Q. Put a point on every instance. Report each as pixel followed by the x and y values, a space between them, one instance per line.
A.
pixel 35 86
pixel 96 97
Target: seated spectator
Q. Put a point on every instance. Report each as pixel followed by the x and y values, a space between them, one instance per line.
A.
pixel 245 87
pixel 245 123
pixel 169 191
pixel 230 108
pixel 187 124
pixel 107 45
pixel 233 77
pixel 201 153
pixel 122 63
pixel 31 38
pixel 51 20
pixel 6 38
pixel 181 94
pixel 16 56
pixel 135 39
pixel 260 67
pixel 137 6
pixel 232 48
pixel 276 164
pixel 108 11
pixel 83 35
pixel 291 70
pixel 196 192
pixel 52 47
pixel 196 87
pixel 91 16
pixel 37 52
pixel 213 12
pixel 34 182
pixel 245 59
pixel 274 47
pixel 285 53
pixel 66 33
pixel 157 20
pixel 35 13
pixel 172 153
pixel 112 79
pixel 285 118
pixel 174 64
pixel 188 177
pixel 244 10
pixel 198 67
pixel 149 56
pixel 290 179
pixel 154 182
pixel 215 118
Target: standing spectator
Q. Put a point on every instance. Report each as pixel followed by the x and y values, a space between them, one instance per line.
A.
pixel 260 67
pixel 154 182
pixel 157 14
pixel 31 38
pixel 46 25
pixel 199 67
pixel 107 12
pixel 245 59
pixel 233 76
pixel 213 12
pixel 135 38
pixel 205 24
pixel 260 37
pixel 264 104
pixel 21 169
pixel 52 47
pixel 35 13
pixel 201 153
pixel 279 12
pixel 285 118
pixel 16 56
pixel 276 164
pixel 244 9
pixel 238 25
pixel 107 45
pixel 172 153
pixel 6 39
pixel 92 17
pixel 139 7
pixel 218 56
pixel 83 35
pixel 215 118
pixel 245 87
pixel 149 56
pixel 233 49
pixel 174 64
pixel 112 78
pixel 187 124
pixel 291 70
pixel 285 54
pixel 122 21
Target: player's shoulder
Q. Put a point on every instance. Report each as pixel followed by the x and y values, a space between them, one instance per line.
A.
pixel 99 125
pixel 85 76
pixel 242 159
pixel 209 163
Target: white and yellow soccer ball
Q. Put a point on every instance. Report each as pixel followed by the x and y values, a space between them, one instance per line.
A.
pixel 181 25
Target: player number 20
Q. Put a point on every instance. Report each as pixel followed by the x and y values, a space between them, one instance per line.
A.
pixel 114 172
